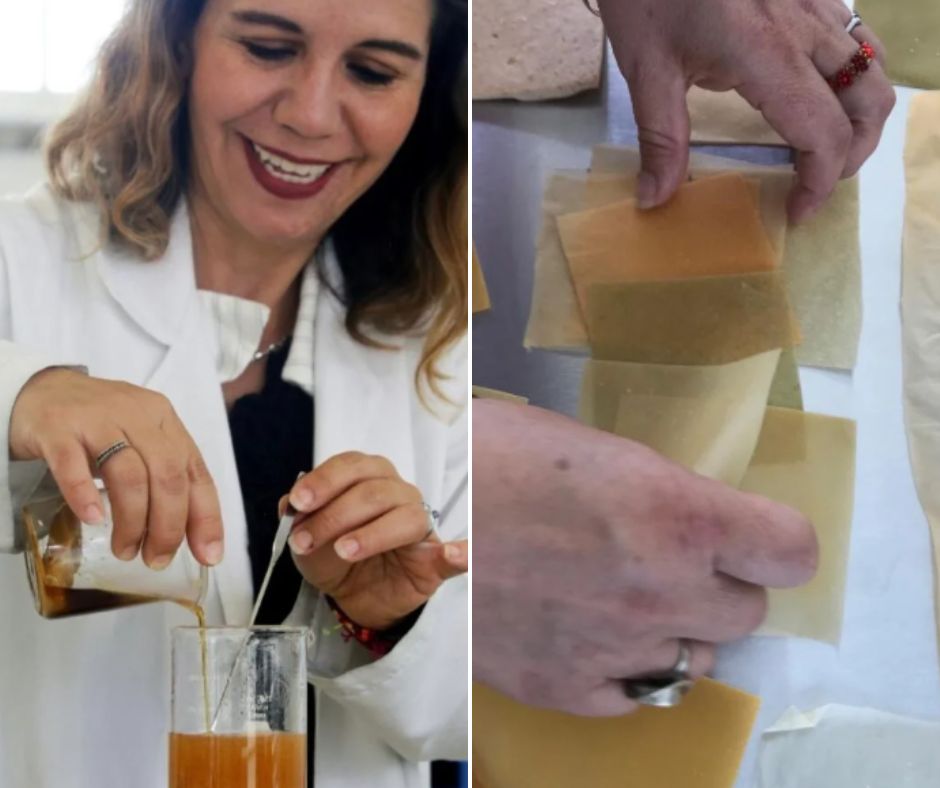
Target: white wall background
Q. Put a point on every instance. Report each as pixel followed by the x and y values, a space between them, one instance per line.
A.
pixel 47 49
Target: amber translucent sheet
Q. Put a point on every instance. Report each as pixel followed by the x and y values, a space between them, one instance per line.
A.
pixel 920 308
pixel 714 320
pixel 910 31
pixel 698 744
pixel 807 461
pixel 707 418
pixel 821 260
pixel 711 227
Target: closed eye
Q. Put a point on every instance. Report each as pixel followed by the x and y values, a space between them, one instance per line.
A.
pixel 370 76
pixel 269 53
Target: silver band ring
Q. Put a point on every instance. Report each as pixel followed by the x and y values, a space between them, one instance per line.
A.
pixel 854 22
pixel 108 453
pixel 666 689
pixel 434 518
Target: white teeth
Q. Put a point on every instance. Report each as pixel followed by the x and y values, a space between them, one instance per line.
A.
pixel 289 171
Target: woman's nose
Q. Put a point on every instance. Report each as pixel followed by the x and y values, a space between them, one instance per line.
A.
pixel 312 105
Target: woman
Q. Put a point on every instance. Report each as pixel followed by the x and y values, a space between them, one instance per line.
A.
pixel 254 242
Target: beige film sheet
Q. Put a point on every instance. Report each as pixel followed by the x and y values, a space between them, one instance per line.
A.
pixel 515 746
pixel 555 320
pixel 481 392
pixel 920 309
pixel 807 461
pixel 480 295
pixel 785 390
pixel 725 118
pixel 910 31
pixel 822 257
pixel 713 320
pixel 706 418
pixel 535 49
pixel 823 266
pixel 711 227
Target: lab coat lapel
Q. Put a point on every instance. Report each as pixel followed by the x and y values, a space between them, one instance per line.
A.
pixel 355 388
pixel 161 297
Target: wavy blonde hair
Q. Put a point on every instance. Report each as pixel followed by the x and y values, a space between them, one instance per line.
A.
pixel 402 247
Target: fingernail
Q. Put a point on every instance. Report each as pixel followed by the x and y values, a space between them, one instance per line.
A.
pixel 452 552
pixel 347 548
pixel 93 515
pixel 646 191
pixel 161 562
pixel 213 552
pixel 301 542
pixel 128 553
pixel 301 499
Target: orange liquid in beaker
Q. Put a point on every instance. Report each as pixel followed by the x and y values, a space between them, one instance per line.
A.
pixel 267 760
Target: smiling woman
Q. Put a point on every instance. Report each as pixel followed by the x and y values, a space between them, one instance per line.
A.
pixel 253 242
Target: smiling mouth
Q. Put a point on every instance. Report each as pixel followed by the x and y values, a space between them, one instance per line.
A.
pixel 287 170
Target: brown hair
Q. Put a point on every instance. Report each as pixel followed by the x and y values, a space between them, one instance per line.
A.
pixel 402 246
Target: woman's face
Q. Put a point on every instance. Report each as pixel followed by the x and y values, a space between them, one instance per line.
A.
pixel 297 106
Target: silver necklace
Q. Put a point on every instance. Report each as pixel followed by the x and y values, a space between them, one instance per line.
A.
pixel 260 354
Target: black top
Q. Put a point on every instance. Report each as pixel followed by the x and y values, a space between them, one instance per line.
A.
pixel 272 433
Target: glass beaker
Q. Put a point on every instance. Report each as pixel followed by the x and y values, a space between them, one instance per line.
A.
pixel 239 708
pixel 72 570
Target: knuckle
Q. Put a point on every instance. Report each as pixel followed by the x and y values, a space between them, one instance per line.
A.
pixel 350 458
pixel 131 478
pixel 328 522
pixel 170 477
pixel 375 493
pixel 886 102
pixel 198 471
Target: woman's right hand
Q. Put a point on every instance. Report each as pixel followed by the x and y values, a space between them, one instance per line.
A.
pixel 159 487
pixel 593 556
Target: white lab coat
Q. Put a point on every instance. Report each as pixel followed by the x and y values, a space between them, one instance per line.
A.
pixel 84 702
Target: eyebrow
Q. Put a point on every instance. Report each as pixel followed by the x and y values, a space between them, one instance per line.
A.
pixel 271 20
pixel 395 47
pixel 282 23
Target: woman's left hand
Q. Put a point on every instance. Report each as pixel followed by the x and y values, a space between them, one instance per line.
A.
pixel 362 537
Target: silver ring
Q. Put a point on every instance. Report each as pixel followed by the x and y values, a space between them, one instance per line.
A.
pixel 434 518
pixel 854 22
pixel 108 453
pixel 666 689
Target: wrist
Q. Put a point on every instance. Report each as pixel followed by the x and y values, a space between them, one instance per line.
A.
pixel 379 637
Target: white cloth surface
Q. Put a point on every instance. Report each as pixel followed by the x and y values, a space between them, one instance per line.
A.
pixel 838 746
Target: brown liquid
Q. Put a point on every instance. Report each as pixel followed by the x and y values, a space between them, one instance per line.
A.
pixel 53 597
pixel 268 760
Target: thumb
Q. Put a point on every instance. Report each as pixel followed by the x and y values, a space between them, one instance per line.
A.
pixel 658 92
pixel 454 559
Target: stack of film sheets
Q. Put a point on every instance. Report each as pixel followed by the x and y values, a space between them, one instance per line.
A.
pixel 695 316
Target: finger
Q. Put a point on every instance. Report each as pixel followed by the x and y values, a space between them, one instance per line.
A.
pixel 204 530
pixel 126 480
pixel 205 533
pixel 665 656
pixel 67 459
pixel 607 698
pixel 168 508
pixel 864 33
pixel 867 102
pixel 456 557
pixel 726 609
pixel 403 526
pixel 361 504
pixel 763 542
pixel 658 91
pixel 335 476
pixel 801 107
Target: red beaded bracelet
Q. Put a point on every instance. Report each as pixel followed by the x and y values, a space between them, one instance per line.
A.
pixel 377 641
